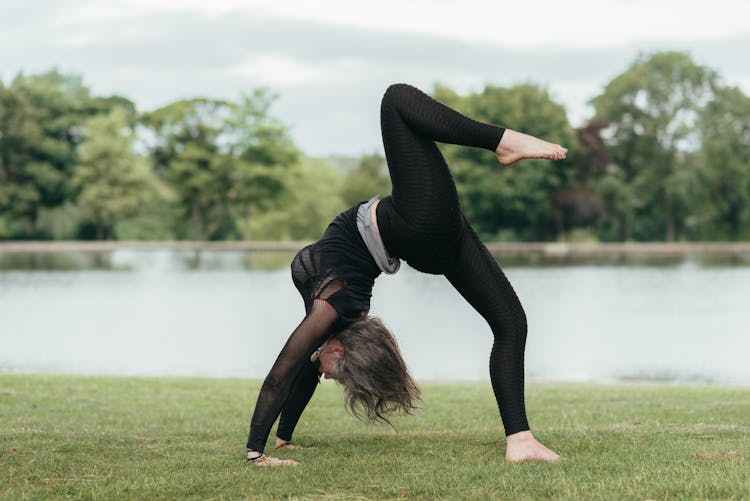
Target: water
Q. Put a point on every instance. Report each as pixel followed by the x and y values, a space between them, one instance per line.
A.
pixel 228 314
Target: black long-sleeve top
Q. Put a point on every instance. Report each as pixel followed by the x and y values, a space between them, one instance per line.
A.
pixel 335 276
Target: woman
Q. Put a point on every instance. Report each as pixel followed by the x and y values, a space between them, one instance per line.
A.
pixel 421 223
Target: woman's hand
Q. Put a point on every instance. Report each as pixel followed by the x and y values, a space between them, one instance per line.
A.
pixel 285 444
pixel 268 461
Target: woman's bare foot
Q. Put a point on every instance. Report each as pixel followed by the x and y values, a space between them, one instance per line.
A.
pixel 522 446
pixel 515 146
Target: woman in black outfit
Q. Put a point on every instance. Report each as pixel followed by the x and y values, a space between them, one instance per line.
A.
pixel 420 222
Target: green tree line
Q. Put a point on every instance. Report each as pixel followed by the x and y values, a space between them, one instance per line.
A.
pixel 665 157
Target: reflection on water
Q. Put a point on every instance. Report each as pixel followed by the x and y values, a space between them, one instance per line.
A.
pixel 124 259
pixel 631 259
pixel 229 313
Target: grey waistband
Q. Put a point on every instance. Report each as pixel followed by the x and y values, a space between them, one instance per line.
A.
pixel 370 235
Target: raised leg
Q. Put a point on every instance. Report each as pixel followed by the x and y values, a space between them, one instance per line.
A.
pixel 411 122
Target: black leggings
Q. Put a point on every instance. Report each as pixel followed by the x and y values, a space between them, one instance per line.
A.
pixel 422 223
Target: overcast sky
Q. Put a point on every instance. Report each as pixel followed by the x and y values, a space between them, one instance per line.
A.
pixel 331 60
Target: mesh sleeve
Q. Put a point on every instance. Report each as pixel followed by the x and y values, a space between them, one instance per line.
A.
pixel 314 329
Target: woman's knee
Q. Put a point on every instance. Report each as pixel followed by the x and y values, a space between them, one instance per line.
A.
pixel 509 319
pixel 519 316
pixel 510 332
pixel 395 94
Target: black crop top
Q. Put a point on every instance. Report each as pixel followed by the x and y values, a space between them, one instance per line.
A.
pixel 338 268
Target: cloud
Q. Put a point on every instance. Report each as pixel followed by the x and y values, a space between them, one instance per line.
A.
pixel 550 23
pixel 329 76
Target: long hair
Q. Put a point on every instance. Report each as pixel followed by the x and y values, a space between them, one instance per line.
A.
pixel 374 376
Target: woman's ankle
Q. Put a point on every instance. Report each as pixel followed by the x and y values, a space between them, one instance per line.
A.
pixel 520 436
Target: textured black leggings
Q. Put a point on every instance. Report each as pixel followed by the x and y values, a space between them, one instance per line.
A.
pixel 422 223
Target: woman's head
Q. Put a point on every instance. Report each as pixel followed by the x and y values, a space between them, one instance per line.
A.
pixel 326 354
pixel 368 364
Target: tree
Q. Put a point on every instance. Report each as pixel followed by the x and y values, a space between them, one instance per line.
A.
pixel 53 106
pixel 369 178
pixel 185 152
pixel 222 158
pixel 597 170
pixel 19 133
pixel 259 158
pixel 316 188
pixel 109 184
pixel 40 128
pixel 513 201
pixel 652 110
pixel 723 166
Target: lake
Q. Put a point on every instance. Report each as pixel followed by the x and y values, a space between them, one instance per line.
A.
pixel 227 314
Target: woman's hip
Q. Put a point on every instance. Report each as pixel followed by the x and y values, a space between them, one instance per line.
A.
pixel 427 242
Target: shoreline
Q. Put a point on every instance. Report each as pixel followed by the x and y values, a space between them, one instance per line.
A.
pixel 530 381
pixel 541 249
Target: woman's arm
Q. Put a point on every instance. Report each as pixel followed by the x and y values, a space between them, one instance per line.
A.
pixel 301 393
pixel 307 337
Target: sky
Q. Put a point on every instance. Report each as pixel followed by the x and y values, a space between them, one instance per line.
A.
pixel 330 61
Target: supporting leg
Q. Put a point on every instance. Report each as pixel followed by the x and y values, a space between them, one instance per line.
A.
pixel 479 279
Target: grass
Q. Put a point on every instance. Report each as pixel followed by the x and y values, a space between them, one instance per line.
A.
pixel 173 438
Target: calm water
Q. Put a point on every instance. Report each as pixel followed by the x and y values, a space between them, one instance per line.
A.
pixel 166 313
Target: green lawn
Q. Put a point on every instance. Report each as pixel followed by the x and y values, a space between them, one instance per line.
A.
pixel 173 438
